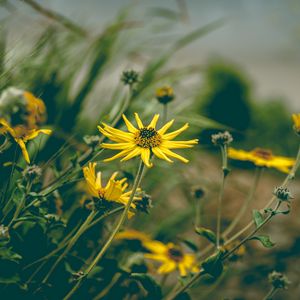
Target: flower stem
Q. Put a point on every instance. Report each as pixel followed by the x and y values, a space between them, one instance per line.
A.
pixel 121 221
pixel 165 113
pixel 271 293
pixel 243 210
pixel 221 193
pixel 71 244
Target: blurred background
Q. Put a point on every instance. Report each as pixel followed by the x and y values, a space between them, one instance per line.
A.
pixel 233 64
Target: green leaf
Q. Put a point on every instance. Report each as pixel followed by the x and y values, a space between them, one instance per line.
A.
pixel 213 265
pixel 207 233
pixel 257 217
pixel 149 284
pixel 264 239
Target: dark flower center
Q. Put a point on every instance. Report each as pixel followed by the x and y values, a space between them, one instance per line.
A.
pixel 263 153
pixel 147 138
pixel 175 254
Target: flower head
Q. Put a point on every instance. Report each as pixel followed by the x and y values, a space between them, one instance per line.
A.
pixel 296 120
pixel 21 135
pixel 221 138
pixel 113 191
pixel 263 158
pixel 171 256
pixel 165 94
pixel 283 194
pixel 145 141
pixel 130 77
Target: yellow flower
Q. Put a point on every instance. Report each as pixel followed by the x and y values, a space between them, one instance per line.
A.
pixel 114 190
pixel 165 94
pixel 145 141
pixel 22 135
pixel 296 120
pixel 263 158
pixel 170 255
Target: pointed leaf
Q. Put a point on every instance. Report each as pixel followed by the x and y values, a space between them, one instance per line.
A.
pixel 257 217
pixel 264 239
pixel 207 233
pixel 213 265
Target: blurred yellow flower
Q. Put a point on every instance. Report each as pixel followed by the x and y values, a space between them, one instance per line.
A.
pixel 263 158
pixel 296 120
pixel 145 141
pixel 22 135
pixel 114 190
pixel 165 94
pixel 172 257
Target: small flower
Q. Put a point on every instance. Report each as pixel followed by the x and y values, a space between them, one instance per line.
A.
pixel 296 120
pixel 113 191
pixel 278 280
pixel 4 233
pixel 32 172
pixel 165 94
pixel 22 136
pixel 130 77
pixel 263 158
pixel 145 141
pixel 221 138
pixel 283 194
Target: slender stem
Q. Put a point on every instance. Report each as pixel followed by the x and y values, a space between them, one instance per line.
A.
pixel 221 193
pixel 121 221
pixel 165 113
pixel 271 293
pixel 71 244
pixel 244 208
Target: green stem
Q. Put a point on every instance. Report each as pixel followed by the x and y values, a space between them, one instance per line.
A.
pixel 165 114
pixel 271 293
pixel 221 193
pixel 244 208
pixel 71 244
pixel 113 234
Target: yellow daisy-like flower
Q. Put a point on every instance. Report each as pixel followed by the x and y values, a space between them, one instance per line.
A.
pixel 263 158
pixel 170 255
pixel 145 141
pixel 296 120
pixel 114 190
pixel 165 94
pixel 22 135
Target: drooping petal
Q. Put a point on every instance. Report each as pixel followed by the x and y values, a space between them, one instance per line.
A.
pixel 173 154
pixel 22 145
pixel 134 152
pixel 118 146
pixel 120 154
pixel 145 155
pixel 179 144
pixel 34 133
pixel 157 152
pixel 182 269
pixel 155 247
pixel 167 267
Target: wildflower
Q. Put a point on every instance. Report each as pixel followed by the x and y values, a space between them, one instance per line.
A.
pixel 145 141
pixel 263 158
pixel 221 138
pixel 296 120
pixel 278 280
pixel 165 94
pixel 21 135
pixel 283 194
pixel 172 257
pixel 130 77
pixel 114 191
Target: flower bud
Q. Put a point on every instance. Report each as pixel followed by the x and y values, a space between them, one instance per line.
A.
pixel 282 194
pixel 130 77
pixel 278 280
pixel 221 138
pixel 165 94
